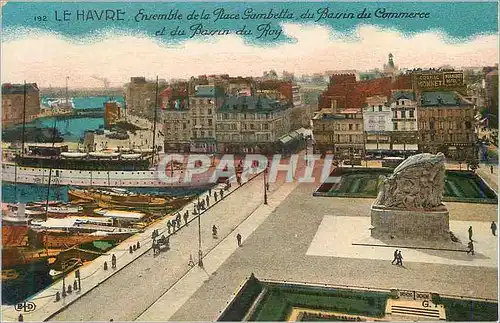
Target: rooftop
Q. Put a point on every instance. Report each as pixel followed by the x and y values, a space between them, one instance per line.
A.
pixel 442 98
pixel 208 91
pixel 398 95
pixel 252 103
pixel 8 88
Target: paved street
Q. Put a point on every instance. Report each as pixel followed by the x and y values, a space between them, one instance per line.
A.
pixel 150 277
pixel 277 250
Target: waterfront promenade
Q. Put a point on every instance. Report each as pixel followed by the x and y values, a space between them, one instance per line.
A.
pixel 143 274
pixel 183 243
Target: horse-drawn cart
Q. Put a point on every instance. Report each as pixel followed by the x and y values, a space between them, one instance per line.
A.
pixel 162 244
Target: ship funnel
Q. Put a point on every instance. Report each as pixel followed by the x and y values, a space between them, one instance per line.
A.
pixel 21 210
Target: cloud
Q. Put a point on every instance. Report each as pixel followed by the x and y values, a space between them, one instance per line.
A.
pixel 48 58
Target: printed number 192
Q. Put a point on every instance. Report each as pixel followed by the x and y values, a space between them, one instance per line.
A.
pixel 40 18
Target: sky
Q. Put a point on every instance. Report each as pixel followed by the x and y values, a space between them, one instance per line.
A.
pixel 46 51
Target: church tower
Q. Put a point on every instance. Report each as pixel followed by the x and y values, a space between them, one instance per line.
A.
pixel 390 69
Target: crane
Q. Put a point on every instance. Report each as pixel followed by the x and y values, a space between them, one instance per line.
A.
pixel 102 79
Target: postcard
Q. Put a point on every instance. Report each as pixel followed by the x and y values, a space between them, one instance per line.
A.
pixel 249 161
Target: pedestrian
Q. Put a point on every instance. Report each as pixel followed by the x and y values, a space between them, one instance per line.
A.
pixel 470 233
pixel 221 193
pixel 238 238
pixel 191 261
pixel 399 261
pixel 173 225
pixel 178 224
pixel 395 256
pixel 214 232
pixel 208 200
pixel 494 228
pixel 215 196
pixel 186 218
pixel 491 169
pixel 113 261
pixel 130 249
pixel 209 191
pixel 470 245
pixel 169 225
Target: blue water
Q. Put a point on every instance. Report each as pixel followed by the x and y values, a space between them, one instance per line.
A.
pixel 90 102
pixel 32 192
pixel 458 21
pixel 74 129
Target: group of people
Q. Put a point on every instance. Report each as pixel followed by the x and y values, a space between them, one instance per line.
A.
pixel 175 224
pixel 398 258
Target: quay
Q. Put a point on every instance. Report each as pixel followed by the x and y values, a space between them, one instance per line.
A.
pixel 294 238
pixel 184 243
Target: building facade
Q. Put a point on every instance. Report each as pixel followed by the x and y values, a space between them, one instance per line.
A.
pixel 13 103
pixel 140 97
pixel 112 113
pixel 203 105
pixel 377 122
pixel 446 124
pixel 404 136
pixel 339 131
pixel 251 124
pixel 177 129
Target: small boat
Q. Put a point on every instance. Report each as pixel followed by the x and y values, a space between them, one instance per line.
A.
pixel 64 268
pixel 9 274
pixel 118 197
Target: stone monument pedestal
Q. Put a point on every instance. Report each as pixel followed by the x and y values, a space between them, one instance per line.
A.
pixel 410 224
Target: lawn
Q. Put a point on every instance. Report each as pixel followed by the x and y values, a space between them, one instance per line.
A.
pixel 279 300
pixel 460 186
pixel 458 310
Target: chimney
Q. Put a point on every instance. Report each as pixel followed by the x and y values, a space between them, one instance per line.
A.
pixel 334 106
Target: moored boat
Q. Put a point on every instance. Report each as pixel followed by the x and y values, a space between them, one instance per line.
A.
pixel 67 266
pixel 119 197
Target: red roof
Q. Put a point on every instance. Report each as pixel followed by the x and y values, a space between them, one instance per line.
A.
pixel 351 94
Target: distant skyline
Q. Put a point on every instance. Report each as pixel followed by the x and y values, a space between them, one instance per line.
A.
pixel 315 51
pixel 47 53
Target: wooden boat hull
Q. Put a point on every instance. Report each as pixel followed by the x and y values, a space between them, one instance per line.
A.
pixel 125 201
pixel 12 257
pixel 61 239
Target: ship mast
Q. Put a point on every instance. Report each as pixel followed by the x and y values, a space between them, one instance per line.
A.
pixel 154 122
pixel 67 98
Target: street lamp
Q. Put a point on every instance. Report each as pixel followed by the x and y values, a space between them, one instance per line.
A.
pixel 200 253
pixel 64 280
pixel 265 186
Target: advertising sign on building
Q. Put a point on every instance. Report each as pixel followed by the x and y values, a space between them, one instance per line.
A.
pixel 440 80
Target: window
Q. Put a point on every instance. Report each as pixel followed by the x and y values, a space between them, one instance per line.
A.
pixel 397 102
pixel 431 125
pixel 350 138
pixel 402 102
pixel 233 126
pixel 403 114
pixel 350 126
pixel 379 108
pixel 209 111
pixel 357 126
pixel 194 122
pixel 209 122
pixel 412 113
pixel 395 115
pixel 265 126
pixel 202 134
pixel 395 124
pixel 252 126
